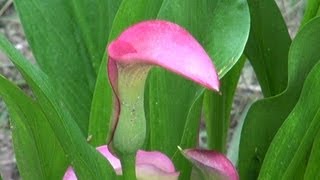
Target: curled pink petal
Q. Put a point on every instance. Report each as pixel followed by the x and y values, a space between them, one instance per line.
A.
pixel 114 161
pixel 212 163
pixel 148 172
pixel 162 43
pixel 153 165
pixel 156 159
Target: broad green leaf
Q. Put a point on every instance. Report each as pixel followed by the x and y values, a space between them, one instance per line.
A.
pixel 268 46
pixel 311 11
pixel 213 23
pixel 218 108
pixel 87 162
pixel 266 116
pixel 291 145
pixel 68 40
pixel 129 12
pixel 312 170
pixel 36 158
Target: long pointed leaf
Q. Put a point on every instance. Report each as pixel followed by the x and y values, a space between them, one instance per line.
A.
pixel 297 134
pixel 36 158
pixel 266 116
pixel 94 18
pixel 268 46
pixel 68 40
pixel 88 163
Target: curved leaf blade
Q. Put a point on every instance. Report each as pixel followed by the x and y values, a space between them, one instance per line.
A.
pixel 268 46
pixel 69 48
pixel 36 158
pixel 256 135
pixel 311 11
pixel 87 162
pixel 298 136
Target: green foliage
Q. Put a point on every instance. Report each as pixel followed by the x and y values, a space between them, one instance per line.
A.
pixel 311 11
pixel 267 50
pixel 268 45
pixel 64 127
pixel 271 112
pixel 312 170
pixel 73 97
pixel 37 159
pixel 297 136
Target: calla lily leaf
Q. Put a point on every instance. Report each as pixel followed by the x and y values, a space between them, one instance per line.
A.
pixel 149 165
pixel 210 164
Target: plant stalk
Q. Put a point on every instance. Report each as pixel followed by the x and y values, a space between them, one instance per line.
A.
pixel 128 167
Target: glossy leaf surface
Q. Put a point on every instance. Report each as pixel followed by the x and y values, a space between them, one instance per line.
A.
pixel 297 133
pixel 266 116
pixel 268 46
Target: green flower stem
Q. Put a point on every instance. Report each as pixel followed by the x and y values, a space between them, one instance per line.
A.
pixel 128 167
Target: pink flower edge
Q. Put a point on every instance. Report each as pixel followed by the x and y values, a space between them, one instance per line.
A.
pixel 148 164
pixel 162 43
pixel 216 162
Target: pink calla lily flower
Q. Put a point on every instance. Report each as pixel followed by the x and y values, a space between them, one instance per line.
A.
pixel 211 165
pixel 132 55
pixel 164 44
pixel 149 165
